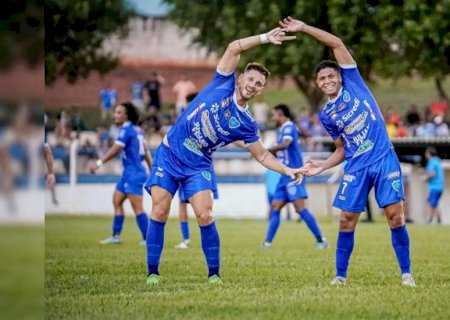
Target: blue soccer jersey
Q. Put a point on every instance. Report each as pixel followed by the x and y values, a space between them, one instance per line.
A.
pixel 291 156
pixel 131 138
pixel 212 120
pixel 108 97
pixel 136 89
pixel 437 183
pixel 354 115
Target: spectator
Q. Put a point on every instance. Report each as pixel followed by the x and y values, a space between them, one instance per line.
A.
pixel 153 86
pixel 390 126
pixel 441 127
pixel 137 91
pixel 439 106
pixel 425 129
pixel 402 130
pixel 436 182
pixel 392 115
pixel 108 99
pixel 182 89
pixel 78 122
pixel 413 116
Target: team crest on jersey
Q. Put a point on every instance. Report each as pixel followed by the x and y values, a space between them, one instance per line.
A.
pixel 341 107
pixel 206 175
pixel 333 114
pixel 346 96
pixel 396 185
pixel 227 114
pixel 292 190
pixel 234 123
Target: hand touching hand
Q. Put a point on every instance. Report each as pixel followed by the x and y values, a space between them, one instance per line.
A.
pixel 295 174
pixel 312 168
pixel 291 25
pixel 277 36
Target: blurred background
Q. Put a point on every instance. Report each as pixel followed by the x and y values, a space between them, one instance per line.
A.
pixel 72 65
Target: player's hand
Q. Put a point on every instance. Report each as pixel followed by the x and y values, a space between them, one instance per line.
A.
pixel 291 25
pixel 312 168
pixel 277 36
pixel 93 168
pixel 295 174
pixel 50 181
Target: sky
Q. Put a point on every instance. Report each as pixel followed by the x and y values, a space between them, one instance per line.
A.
pixel 150 7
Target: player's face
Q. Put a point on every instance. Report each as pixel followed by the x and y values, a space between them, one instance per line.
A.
pixel 120 115
pixel 250 84
pixel 329 81
pixel 277 118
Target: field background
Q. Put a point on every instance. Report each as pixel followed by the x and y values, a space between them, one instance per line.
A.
pixel 84 280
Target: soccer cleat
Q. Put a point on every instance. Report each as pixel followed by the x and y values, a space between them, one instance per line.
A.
pixel 322 244
pixel 265 245
pixel 153 279
pixel 183 244
pixel 338 281
pixel 143 242
pixel 215 279
pixel 111 240
pixel 408 280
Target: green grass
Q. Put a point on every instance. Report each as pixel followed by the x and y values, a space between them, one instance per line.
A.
pixel 85 280
pixel 22 272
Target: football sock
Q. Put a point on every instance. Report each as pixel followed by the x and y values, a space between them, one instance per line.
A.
pixel 117 224
pixel 311 222
pixel 184 226
pixel 400 242
pixel 344 249
pixel 211 247
pixel 142 222
pixel 274 223
pixel 155 244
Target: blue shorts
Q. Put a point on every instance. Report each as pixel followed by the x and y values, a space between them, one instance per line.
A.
pixel 168 173
pixel 130 187
pixel 288 191
pixel 433 198
pixel 182 196
pixel 385 175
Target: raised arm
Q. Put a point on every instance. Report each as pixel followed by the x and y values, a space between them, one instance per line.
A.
pixel 230 58
pixel 263 156
pixel 343 57
pixel 115 149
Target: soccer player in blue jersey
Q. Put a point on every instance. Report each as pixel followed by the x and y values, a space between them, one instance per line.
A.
pixel 130 144
pixel 436 182
pixel 352 118
pixel 218 115
pixel 287 150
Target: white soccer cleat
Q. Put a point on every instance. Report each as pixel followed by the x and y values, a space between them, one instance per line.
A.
pixel 183 245
pixel 111 240
pixel 408 280
pixel 339 281
pixel 143 242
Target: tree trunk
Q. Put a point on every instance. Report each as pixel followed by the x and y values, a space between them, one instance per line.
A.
pixel 440 89
pixel 312 93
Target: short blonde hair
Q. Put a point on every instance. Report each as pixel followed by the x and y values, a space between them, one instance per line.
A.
pixel 258 67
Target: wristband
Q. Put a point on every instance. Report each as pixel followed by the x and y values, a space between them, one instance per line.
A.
pixel 99 163
pixel 263 38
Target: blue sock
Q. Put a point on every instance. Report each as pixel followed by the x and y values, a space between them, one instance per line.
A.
pixel 311 222
pixel 211 247
pixel 274 223
pixel 400 242
pixel 155 244
pixel 142 222
pixel 344 249
pixel 117 224
pixel 184 226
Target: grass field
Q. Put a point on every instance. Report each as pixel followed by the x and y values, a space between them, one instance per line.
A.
pixel 290 280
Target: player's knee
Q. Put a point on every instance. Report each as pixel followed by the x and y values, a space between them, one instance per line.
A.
pixel 277 206
pixel 159 214
pixel 396 219
pixel 205 217
pixel 346 223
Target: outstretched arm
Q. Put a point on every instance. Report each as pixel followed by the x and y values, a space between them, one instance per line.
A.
pixel 283 145
pixel 115 149
pixel 314 167
pixel 230 58
pixel 263 156
pixel 339 50
pixel 50 181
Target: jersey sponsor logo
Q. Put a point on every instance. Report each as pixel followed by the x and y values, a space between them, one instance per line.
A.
pixel 226 102
pixel 340 124
pixel 342 198
pixel 193 113
pixel 372 114
pixel 350 114
pixel 349 178
pixel 215 108
pixel 227 114
pixel 361 137
pixel 219 127
pixel 341 107
pixel 160 169
pixel 346 96
pixel 234 123
pixel 396 185
pixel 206 175
pixel 357 124
pixel 193 146
pixel 159 174
pixel 207 127
pixel 198 134
pixel 333 114
pixel 365 147
pixel 393 174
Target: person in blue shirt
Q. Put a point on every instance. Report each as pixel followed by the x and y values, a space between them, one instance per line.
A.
pixel 436 182
pixel 131 146
pixel 287 150
pixel 218 115
pixel 352 118
pixel 137 91
pixel 108 99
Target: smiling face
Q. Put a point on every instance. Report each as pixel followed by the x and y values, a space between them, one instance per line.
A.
pixel 329 80
pixel 250 84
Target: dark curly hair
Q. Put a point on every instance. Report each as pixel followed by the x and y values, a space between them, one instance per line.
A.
pixel 132 112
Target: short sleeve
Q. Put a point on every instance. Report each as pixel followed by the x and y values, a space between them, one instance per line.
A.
pixel 287 133
pixel 330 128
pixel 252 135
pixel 122 137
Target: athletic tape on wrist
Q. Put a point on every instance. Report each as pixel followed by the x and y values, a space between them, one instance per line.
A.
pixel 263 38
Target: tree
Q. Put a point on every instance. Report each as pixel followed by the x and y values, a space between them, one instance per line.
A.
pixel 75 32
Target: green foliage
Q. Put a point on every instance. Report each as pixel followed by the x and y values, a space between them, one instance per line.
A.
pixel 85 280
pixel 75 32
